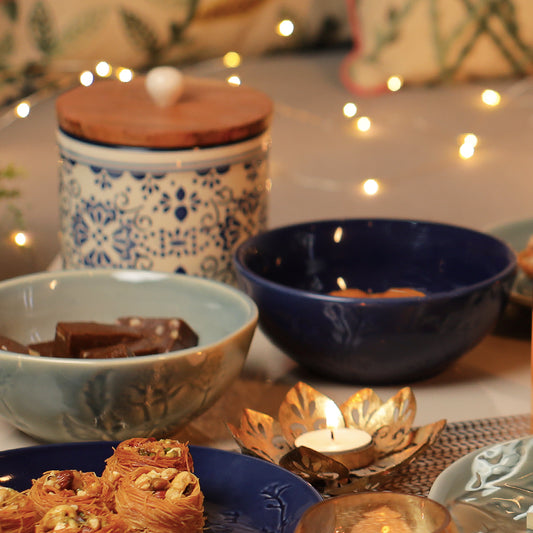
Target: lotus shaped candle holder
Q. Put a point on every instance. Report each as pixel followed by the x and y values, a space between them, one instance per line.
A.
pixel 394 442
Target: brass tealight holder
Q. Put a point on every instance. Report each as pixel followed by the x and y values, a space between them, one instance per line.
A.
pixel 391 443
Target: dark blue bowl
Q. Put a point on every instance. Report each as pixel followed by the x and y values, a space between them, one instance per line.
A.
pixel 465 274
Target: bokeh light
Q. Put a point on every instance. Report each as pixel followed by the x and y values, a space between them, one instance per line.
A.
pixel 22 110
pixel 86 78
pixel 490 97
pixel 231 60
pixel 363 124
pixel 349 110
pixel 124 75
pixel 20 238
pixel 103 69
pixel 394 83
pixel 285 28
pixel 234 80
pixel 371 186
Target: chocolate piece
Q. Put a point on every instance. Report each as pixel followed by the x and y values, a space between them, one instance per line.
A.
pixel 73 337
pixel 46 348
pixel 130 336
pixel 115 351
pixel 148 345
pixel 168 333
pixel 10 345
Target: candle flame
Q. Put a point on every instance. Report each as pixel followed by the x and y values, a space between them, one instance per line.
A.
pixel 332 415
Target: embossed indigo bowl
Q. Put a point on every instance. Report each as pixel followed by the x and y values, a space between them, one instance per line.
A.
pixel 60 399
pixel 466 277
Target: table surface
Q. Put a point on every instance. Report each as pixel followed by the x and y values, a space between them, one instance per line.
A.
pixel 318 164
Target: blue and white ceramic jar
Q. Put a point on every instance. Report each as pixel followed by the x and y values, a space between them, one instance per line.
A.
pixel 175 189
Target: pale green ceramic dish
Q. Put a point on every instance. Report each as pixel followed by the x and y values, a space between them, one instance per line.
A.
pixel 489 490
pixel 60 400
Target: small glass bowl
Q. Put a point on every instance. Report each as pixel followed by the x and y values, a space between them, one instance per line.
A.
pixel 376 512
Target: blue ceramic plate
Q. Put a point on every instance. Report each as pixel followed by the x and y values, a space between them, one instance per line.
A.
pixel 490 489
pixel 517 235
pixel 242 494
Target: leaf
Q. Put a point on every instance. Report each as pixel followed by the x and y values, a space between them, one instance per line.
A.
pixel 6 45
pixel 141 35
pixel 42 28
pixel 10 7
pixel 178 28
pixel 10 172
pixel 85 22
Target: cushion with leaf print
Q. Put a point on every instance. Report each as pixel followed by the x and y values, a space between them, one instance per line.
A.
pixel 42 40
pixel 433 41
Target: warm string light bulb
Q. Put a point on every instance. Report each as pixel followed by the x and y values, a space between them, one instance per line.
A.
pixel 349 110
pixel 103 69
pixel 285 28
pixel 491 97
pixel 86 78
pixel 394 83
pixel 125 75
pixel 370 187
pixel 234 80
pixel 470 138
pixel 22 110
pixel 20 239
pixel 363 124
pixel 231 60
pixel 467 145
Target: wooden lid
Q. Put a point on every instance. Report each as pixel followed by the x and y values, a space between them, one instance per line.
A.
pixel 209 113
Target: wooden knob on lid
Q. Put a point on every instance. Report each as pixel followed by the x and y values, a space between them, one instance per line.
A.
pixel 164 85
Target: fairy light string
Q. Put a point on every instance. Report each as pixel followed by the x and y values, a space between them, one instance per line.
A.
pixel 466 143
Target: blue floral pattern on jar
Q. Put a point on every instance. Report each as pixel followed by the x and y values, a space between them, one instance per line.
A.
pixel 187 220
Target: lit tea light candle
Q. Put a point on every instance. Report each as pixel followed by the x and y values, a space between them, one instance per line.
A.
pixel 350 446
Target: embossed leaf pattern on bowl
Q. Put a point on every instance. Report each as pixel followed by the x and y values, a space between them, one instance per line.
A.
pixel 305 409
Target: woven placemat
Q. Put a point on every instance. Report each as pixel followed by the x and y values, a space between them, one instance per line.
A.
pixel 456 440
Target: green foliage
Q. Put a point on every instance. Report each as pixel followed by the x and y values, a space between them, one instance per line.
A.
pixel 8 192
pixel 177 28
pixel 6 46
pixel 10 8
pixel 84 24
pixel 42 30
pixel 144 36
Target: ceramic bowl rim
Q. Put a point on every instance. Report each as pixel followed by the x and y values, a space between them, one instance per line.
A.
pixel 250 319
pixel 245 271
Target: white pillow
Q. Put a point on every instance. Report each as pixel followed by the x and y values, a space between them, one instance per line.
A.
pixel 434 41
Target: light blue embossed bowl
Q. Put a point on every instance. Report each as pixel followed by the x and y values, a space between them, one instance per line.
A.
pixel 61 400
